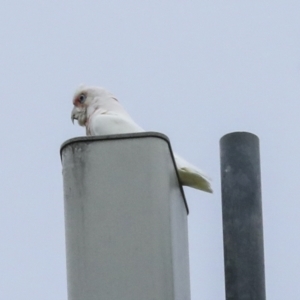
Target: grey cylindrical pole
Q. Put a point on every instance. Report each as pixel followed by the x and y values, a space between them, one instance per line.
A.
pixel 126 219
pixel 242 217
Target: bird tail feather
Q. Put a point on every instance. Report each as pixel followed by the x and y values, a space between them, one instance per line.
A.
pixel 191 176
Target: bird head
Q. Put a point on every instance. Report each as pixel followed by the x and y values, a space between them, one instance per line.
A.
pixel 88 99
pixel 84 98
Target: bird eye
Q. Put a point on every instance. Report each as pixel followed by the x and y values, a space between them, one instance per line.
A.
pixel 82 98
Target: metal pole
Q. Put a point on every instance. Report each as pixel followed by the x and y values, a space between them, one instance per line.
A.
pixel 242 217
pixel 126 219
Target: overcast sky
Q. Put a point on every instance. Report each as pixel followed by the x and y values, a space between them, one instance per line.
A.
pixel 193 70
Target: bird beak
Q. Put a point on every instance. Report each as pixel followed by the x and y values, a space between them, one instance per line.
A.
pixel 74 114
pixel 79 114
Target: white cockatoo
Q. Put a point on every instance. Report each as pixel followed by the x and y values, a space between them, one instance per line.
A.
pixel 102 114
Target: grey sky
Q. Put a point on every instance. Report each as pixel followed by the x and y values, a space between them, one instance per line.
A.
pixel 194 71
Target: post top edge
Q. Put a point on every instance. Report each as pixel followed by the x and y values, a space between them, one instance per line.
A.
pixel 114 137
pixel 239 134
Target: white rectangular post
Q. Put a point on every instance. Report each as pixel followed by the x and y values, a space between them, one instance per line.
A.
pixel 126 219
